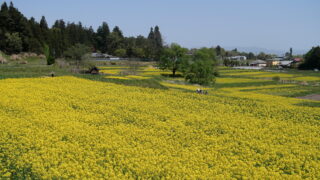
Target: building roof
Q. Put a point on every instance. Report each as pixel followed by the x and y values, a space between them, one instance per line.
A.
pixel 285 63
pixel 258 62
pixel 272 60
pixel 297 59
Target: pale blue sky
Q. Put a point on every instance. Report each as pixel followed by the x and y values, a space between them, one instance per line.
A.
pixel 271 24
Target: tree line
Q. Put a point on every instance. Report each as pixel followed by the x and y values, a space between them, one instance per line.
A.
pixel 20 34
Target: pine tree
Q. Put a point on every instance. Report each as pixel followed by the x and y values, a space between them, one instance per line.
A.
pixel 151 34
pixel 4 7
pixel 4 17
pixel 44 29
pixel 103 33
pixel 36 41
pixel 158 38
pixel 117 31
pixel 92 38
pixel 19 23
pixel 151 50
pixel 158 42
pixel 43 23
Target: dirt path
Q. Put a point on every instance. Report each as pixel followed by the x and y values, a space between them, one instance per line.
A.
pixel 315 97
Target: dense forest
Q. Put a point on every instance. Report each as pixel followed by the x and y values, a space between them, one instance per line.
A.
pixel 20 34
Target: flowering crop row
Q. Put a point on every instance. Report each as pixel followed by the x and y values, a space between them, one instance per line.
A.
pixel 267 74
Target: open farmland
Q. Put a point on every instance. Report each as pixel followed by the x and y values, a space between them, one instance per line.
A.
pixel 75 127
pixel 159 90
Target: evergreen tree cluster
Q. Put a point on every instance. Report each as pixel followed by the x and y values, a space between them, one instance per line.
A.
pixel 20 34
pixel 155 43
pixel 312 59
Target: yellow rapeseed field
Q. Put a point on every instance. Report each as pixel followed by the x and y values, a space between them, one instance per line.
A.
pixel 252 74
pixel 111 71
pixel 228 80
pixel 73 128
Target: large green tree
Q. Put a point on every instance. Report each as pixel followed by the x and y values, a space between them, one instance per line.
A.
pixel 202 68
pixel 172 58
pixel 77 53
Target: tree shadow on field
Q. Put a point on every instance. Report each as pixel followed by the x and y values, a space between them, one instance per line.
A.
pixel 171 75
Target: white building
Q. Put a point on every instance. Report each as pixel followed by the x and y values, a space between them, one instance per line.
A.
pixel 259 63
pixel 104 56
pixel 238 58
pixel 285 63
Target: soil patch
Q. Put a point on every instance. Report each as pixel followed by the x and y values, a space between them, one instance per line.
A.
pixel 315 97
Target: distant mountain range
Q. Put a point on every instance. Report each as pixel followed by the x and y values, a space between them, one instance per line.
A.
pixel 257 50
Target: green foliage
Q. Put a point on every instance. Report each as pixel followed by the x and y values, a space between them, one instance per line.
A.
pixel 103 33
pixel 205 54
pixel 138 52
pixel 276 78
pixel 201 69
pixel 312 59
pixel 261 56
pixel 13 43
pixel 48 54
pixel 201 72
pixel 116 41
pixel 116 30
pixel 228 62
pixel 120 52
pixel 251 56
pixel 46 51
pixel 50 60
pixel 32 35
pixel 172 58
pixel 16 32
pixel 77 52
pixel 155 43
pixel 219 50
pixel 35 46
pixel 43 23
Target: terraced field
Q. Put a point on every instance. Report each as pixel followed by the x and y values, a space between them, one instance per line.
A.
pixel 77 128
